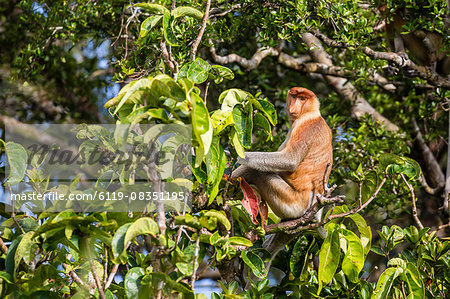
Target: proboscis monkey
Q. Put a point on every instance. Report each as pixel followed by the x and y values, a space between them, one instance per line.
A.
pixel 288 179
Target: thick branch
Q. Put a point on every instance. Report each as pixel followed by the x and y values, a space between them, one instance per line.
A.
pixel 431 164
pixel 422 71
pixel 303 64
pixel 345 89
pixel 248 64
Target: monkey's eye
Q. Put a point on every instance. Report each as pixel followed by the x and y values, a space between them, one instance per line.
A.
pixel 301 98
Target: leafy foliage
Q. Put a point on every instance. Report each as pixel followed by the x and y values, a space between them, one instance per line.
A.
pixel 64 254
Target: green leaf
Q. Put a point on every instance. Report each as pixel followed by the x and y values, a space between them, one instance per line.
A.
pixel 255 263
pixel 353 261
pixel 168 30
pixel 240 241
pixel 264 124
pixel 231 97
pixel 134 93
pixel 220 72
pixel 214 238
pixel 394 262
pixel 17 162
pixel 220 120
pixel 198 71
pixel 10 264
pixel 236 143
pixel 412 168
pixel 185 268
pixel 329 256
pixel 202 127
pixel 152 8
pixel 188 220
pixel 377 250
pixel 142 226
pixel 415 283
pixel 148 25
pixel 132 282
pixel 25 249
pixel 186 11
pixel 369 185
pixel 6 277
pixel 243 122
pixel 364 231
pixel 267 108
pixel 222 160
pixel 385 282
pixel 221 217
pixel 212 160
pixel 300 256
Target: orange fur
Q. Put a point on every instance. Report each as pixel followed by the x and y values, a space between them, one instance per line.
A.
pixel 290 193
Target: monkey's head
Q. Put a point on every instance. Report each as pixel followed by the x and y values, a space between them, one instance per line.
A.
pixel 301 101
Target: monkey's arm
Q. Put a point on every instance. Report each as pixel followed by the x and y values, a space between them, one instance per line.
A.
pixel 273 161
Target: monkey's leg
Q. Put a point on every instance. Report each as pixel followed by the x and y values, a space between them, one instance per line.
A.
pixel 285 201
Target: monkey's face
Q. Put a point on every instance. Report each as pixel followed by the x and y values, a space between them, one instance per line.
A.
pixel 299 101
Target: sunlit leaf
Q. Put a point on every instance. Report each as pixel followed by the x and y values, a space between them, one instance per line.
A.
pixel 255 263
pixel 353 261
pixel 186 11
pixel 329 256
pixel 17 162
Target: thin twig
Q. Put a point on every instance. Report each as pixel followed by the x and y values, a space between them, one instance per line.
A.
pixel 105 268
pixel 111 275
pixel 194 271
pixel 74 276
pixel 202 30
pixel 217 12
pixel 414 208
pixel 206 91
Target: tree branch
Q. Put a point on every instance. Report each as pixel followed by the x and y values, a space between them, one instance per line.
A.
pixel 202 30
pixel 248 64
pixel 414 208
pixel 323 65
pixel 220 12
pixel 345 89
pixel 196 250
pixel 432 166
pixel 423 72
pixel 111 275
pixel 303 64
